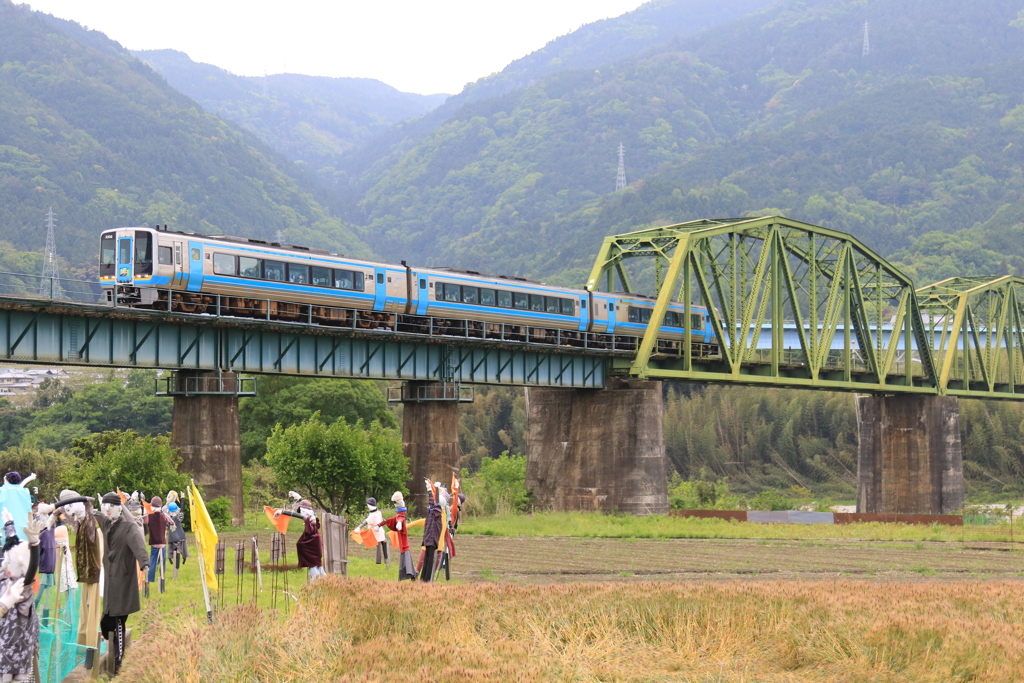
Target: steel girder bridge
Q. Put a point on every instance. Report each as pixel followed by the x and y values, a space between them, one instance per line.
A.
pixel 46 331
pixel 791 304
pixel 854 321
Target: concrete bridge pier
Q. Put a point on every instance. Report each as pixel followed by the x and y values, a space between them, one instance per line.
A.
pixel 430 436
pixel 597 449
pixel 909 454
pixel 205 431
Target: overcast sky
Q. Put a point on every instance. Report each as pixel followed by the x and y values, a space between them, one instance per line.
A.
pixel 422 46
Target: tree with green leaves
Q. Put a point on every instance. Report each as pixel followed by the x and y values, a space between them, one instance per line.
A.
pixel 338 465
pixel 288 401
pixel 125 460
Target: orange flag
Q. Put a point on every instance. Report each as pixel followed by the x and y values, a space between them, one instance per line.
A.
pixel 281 523
pixel 124 498
pixel 455 497
pixel 147 507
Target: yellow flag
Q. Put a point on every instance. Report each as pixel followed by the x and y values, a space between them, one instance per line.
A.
pixel 206 535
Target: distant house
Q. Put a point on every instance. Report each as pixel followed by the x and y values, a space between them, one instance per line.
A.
pixel 15 381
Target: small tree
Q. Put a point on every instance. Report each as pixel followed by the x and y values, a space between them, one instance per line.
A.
pixel 500 485
pixel 337 465
pixel 126 460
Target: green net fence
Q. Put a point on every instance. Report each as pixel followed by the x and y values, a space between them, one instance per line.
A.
pixel 59 651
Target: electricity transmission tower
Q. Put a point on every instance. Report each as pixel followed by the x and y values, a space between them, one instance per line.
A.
pixel 620 180
pixel 49 285
pixel 867 43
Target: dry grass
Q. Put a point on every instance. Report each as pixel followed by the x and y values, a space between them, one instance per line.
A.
pixel 368 630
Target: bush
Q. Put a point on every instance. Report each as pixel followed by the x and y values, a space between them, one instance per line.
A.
pixel 220 511
pixel 699 494
pixel 499 487
pixel 770 499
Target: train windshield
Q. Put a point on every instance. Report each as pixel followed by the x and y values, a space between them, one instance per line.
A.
pixel 108 254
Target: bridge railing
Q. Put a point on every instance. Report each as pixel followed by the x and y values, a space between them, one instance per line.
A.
pixel 49 288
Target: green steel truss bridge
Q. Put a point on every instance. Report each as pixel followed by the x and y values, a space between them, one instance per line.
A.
pixel 799 305
pixel 791 304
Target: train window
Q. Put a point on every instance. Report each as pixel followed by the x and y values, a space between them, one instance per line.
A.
pixel 696 322
pixel 552 304
pixel 470 295
pixel 568 307
pixel 320 276
pixel 248 267
pixel 583 304
pixel 504 299
pixel 124 246
pixel 487 297
pixel 196 255
pixel 423 283
pixel 165 256
pixel 107 249
pixel 452 293
pixel 273 270
pixel 345 279
pixel 298 275
pixel 536 302
pixel 611 306
pixel 645 315
pixel 633 314
pixel 521 300
pixel 224 264
pixel 143 247
pixel 380 278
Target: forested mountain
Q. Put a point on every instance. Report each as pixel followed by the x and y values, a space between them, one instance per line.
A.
pixel 611 40
pixel 310 119
pixel 777 112
pixel 589 47
pixel 91 131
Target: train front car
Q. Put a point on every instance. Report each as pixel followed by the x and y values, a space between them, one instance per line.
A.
pixel 127 268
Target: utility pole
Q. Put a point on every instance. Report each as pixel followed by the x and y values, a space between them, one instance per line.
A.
pixel 49 285
pixel 620 180
pixel 867 43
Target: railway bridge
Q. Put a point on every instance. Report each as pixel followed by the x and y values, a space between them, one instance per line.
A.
pixel 791 305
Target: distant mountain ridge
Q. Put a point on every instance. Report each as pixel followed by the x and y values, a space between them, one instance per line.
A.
pixel 591 46
pixel 93 132
pixel 776 112
pixel 311 119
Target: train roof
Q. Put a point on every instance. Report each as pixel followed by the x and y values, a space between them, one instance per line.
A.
pixel 476 273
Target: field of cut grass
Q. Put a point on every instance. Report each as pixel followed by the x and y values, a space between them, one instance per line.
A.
pixel 369 630
pixel 595 525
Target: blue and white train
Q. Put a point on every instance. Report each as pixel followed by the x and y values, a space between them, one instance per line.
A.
pixel 158 268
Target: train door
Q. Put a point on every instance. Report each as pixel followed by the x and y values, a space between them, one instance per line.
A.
pixel 195 266
pixel 423 295
pixel 125 254
pixel 611 317
pixel 179 258
pixel 380 289
pixel 584 314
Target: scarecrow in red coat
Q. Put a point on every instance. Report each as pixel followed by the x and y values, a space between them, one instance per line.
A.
pixel 400 526
pixel 309 547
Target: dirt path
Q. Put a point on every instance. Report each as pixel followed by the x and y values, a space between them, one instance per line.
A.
pixel 547 559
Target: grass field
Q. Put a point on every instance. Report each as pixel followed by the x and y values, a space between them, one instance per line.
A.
pixel 369 630
pixel 679 600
